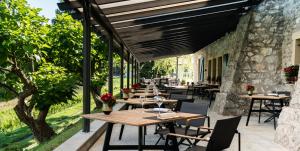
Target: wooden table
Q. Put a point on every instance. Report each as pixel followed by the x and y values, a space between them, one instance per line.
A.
pixel 261 97
pixel 140 119
pixel 149 94
pixel 148 101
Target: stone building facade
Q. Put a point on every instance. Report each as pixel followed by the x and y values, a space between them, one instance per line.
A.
pixel 260 47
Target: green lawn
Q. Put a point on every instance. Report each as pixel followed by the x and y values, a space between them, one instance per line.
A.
pixel 65 120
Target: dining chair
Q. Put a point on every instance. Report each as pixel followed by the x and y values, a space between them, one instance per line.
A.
pixel 275 107
pixel 192 126
pixel 220 139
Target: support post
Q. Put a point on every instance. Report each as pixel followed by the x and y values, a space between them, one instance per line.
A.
pixel 128 70
pixel 176 68
pixel 138 72
pixel 132 70
pixel 135 71
pixel 86 63
pixel 110 64
pixel 122 71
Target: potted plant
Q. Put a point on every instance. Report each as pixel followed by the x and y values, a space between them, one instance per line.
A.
pixel 250 88
pixel 126 92
pixel 183 82
pixel 291 73
pixel 135 87
pixel 108 102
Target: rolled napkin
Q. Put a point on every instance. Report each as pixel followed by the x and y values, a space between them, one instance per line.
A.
pixel 167 115
pixel 161 109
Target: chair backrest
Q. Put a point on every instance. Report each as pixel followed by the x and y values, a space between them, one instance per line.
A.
pixel 287 93
pixel 195 108
pixel 180 101
pixel 179 96
pixel 223 134
pixel 190 90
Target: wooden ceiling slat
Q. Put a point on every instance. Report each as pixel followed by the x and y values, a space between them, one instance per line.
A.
pixel 101 2
pixel 179 7
pixel 174 18
pixel 161 28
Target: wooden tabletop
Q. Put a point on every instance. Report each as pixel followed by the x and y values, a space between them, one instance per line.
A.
pixel 149 101
pixel 264 97
pixel 138 117
pixel 149 94
pixel 213 90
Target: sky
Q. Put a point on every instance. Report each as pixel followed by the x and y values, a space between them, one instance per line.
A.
pixel 48 7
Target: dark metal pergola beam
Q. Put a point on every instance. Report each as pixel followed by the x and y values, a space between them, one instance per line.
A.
pixel 174 17
pixel 178 7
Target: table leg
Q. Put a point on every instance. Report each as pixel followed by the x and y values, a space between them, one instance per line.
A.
pixel 249 113
pixel 107 136
pixel 174 139
pixel 145 133
pixel 140 138
pixel 123 126
pixel 210 98
pixel 259 113
pixel 274 114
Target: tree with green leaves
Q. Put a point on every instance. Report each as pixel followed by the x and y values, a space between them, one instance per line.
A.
pixel 23 40
pixel 163 67
pixel 65 38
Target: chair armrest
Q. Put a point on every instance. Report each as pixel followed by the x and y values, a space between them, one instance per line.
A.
pixel 191 119
pixel 188 137
pixel 207 128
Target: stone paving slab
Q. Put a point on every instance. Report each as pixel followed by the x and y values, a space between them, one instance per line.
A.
pixel 255 137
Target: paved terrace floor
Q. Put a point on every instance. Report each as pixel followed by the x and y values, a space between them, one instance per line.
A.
pixel 255 137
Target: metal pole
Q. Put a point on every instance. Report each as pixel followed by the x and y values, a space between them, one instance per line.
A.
pixel 128 70
pixel 135 71
pixel 110 64
pixel 132 68
pixel 138 72
pixel 86 63
pixel 122 71
pixel 176 68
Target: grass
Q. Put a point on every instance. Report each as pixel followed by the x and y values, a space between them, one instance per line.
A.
pixel 64 119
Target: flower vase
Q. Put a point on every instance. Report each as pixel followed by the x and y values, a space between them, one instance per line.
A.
pixel 106 109
pixel 125 96
pixel 250 93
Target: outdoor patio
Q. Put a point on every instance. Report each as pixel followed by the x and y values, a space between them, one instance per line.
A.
pixel 221 72
pixel 254 137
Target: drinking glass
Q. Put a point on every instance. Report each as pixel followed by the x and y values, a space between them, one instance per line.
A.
pixel 159 102
pixel 142 99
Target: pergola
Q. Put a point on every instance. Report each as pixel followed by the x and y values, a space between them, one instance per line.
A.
pixel 144 30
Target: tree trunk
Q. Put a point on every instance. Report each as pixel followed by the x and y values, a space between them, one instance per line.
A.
pixel 96 93
pixel 40 129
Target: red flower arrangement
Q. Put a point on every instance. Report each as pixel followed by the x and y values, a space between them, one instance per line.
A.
pixel 250 87
pixel 136 86
pixel 108 99
pixel 126 90
pixel 291 73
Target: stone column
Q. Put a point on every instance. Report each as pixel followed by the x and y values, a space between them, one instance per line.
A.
pixel 288 130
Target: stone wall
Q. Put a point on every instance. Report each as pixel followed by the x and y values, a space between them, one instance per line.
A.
pixel 259 48
pixel 288 130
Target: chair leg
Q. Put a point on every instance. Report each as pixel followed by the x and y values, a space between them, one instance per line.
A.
pixel 160 139
pixel 239 136
pixel 239 140
pixel 121 131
